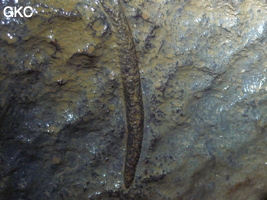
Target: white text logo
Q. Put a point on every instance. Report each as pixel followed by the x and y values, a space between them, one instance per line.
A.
pixel 14 11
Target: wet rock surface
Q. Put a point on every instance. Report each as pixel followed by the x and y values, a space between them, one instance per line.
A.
pixel 62 110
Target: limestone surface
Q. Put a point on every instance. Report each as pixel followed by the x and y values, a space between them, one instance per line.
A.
pixel 62 109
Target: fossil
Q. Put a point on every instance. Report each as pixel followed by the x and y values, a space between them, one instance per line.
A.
pixel 131 88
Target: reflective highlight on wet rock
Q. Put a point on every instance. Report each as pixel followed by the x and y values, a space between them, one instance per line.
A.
pixel 202 65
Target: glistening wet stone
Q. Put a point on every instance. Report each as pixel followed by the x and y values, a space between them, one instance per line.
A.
pixel 62 111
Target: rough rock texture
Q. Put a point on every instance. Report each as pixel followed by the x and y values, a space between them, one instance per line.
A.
pixel 62 111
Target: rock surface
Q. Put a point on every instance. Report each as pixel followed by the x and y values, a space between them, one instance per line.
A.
pixel 62 111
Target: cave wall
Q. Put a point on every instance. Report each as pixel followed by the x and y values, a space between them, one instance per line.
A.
pixel 62 109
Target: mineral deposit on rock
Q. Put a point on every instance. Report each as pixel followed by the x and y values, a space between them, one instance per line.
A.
pixel 62 110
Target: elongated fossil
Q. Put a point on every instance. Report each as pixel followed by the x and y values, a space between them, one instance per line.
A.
pixel 131 88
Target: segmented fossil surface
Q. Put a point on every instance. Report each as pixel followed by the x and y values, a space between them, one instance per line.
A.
pixel 131 88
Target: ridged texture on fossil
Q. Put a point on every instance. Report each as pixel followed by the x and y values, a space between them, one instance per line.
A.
pixel 131 89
